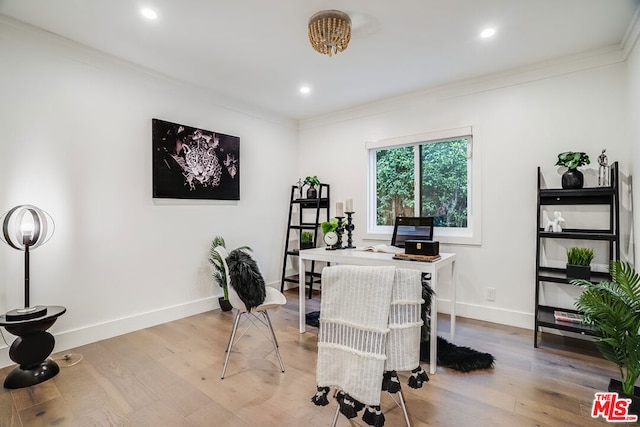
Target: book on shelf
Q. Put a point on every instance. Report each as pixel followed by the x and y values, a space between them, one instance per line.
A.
pixel 412 257
pixel 565 316
pixel 382 248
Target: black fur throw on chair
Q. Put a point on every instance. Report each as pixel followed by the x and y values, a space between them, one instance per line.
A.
pixel 246 279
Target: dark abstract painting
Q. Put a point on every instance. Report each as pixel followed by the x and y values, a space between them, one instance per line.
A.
pixel 191 163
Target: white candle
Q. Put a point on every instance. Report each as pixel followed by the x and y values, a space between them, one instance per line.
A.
pixel 349 205
pixel 339 209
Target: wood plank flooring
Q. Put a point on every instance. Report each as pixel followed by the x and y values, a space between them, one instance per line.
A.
pixel 169 375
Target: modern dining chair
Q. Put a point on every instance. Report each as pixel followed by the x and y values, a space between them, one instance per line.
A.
pixel 258 316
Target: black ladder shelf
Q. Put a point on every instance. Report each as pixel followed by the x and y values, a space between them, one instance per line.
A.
pixel 585 197
pixel 307 219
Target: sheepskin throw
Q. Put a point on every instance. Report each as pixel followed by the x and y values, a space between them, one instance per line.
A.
pixel 246 279
pixel 354 318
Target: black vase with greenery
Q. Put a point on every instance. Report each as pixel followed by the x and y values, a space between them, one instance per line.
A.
pixel 572 178
pixel 312 182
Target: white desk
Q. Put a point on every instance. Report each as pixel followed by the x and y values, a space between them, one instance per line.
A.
pixel 360 257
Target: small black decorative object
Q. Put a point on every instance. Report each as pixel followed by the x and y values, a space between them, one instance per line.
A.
pixel 572 178
pixel 349 227
pixel 339 232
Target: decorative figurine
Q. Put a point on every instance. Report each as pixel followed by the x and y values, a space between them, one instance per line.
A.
pixel 603 170
pixel 299 184
pixel 554 226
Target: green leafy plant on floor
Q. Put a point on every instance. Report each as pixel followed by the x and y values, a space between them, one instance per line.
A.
pixel 579 256
pixel 613 309
pixel 572 159
pixel 219 274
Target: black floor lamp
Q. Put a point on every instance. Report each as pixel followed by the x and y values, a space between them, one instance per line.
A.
pixel 24 228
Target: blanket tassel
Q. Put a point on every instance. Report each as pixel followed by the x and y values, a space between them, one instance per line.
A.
pixel 390 382
pixel 373 416
pixel 349 407
pixel 418 376
pixel 320 398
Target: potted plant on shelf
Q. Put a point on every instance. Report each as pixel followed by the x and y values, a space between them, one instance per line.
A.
pixel 306 240
pixel 579 263
pixel 572 178
pixel 219 274
pixel 312 181
pixel 613 309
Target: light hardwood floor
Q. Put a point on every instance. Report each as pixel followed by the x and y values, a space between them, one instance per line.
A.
pixel 169 375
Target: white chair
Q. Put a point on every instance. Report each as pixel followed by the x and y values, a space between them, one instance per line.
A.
pixel 258 315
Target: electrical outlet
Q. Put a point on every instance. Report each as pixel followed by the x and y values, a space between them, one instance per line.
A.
pixel 491 294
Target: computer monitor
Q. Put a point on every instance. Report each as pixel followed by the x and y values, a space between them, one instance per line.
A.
pixel 411 228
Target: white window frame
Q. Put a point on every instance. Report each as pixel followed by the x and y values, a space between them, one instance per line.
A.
pixel 472 234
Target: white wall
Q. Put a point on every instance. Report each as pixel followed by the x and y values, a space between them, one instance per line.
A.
pixel 76 142
pixel 521 120
pixel 634 121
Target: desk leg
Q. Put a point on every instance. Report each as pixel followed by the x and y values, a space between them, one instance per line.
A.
pixel 301 299
pixel 433 336
pixel 453 300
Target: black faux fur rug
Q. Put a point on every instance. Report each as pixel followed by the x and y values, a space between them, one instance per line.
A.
pixel 463 359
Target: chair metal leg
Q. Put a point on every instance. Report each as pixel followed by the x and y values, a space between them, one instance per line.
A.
pixel 404 409
pixel 335 417
pixel 274 340
pixel 233 335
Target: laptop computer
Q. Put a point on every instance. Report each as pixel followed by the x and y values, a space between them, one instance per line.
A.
pixel 411 228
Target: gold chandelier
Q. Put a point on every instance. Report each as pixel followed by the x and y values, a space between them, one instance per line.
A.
pixel 330 31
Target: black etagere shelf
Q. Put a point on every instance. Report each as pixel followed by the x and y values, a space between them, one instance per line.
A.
pixel 604 196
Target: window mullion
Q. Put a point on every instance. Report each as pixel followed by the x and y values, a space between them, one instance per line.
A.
pixel 417 172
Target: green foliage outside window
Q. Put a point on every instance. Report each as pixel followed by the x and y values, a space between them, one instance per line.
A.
pixel 443 183
pixel 394 184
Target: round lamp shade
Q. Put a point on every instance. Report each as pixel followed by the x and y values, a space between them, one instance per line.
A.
pixel 26 225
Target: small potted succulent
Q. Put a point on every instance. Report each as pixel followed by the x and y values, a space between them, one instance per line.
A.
pixel 312 182
pixel 306 240
pixel 579 263
pixel 572 178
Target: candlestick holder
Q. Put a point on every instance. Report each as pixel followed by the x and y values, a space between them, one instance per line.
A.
pixel 339 232
pixel 349 227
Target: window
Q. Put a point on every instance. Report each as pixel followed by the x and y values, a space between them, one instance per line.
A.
pixel 433 174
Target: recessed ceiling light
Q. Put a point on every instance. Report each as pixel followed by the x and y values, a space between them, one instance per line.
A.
pixel 488 32
pixel 305 90
pixel 149 13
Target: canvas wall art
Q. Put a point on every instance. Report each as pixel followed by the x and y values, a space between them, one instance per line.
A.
pixel 192 163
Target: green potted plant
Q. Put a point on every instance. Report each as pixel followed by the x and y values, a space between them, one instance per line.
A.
pixel 572 178
pixel 306 240
pixel 219 274
pixel 312 182
pixel 612 308
pixel 579 263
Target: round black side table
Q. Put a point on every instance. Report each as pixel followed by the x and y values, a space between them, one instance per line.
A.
pixel 32 348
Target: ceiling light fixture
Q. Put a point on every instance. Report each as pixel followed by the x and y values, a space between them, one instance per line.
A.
pixel 330 31
pixel 305 90
pixel 488 32
pixel 149 13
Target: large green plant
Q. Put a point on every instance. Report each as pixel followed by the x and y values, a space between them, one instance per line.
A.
pixel 219 274
pixel 613 309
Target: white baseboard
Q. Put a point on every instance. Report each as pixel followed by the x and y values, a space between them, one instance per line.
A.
pixel 66 340
pixel 489 314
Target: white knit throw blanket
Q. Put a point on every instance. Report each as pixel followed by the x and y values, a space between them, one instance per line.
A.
pixel 354 318
pixel 405 322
